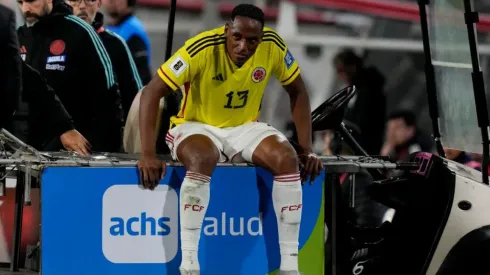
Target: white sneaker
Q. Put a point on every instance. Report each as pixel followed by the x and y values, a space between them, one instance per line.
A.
pixel 189 272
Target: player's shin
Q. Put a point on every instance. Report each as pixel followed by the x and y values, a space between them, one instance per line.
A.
pixel 288 201
pixel 194 200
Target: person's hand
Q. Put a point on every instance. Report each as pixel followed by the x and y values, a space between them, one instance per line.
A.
pixel 74 141
pixel 151 170
pixel 311 166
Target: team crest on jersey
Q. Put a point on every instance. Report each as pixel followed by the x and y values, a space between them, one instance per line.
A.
pixel 57 47
pixel 258 74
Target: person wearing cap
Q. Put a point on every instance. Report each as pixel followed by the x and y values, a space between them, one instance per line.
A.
pixel 130 28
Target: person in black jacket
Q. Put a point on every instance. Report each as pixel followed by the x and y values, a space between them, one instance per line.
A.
pixel 128 79
pixel 10 78
pixel 367 111
pixel 18 80
pixel 71 56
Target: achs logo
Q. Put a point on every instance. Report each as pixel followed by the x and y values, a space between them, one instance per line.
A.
pixel 56 59
pixel 139 226
pixel 258 74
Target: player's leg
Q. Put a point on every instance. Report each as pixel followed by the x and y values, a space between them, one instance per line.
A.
pixel 199 150
pixel 268 148
pixel 276 155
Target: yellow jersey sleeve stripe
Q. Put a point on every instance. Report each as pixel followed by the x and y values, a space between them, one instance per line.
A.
pixel 275 35
pixel 275 41
pixel 291 78
pixel 203 40
pixel 167 79
pixel 215 42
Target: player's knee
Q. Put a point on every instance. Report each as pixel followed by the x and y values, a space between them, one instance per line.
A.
pixel 202 161
pixel 286 161
pixel 198 154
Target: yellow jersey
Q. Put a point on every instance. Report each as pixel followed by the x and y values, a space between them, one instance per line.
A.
pixel 215 90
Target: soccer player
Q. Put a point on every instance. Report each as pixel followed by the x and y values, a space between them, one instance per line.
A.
pixel 224 72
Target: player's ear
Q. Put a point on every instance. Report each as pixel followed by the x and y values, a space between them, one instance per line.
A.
pixel 227 27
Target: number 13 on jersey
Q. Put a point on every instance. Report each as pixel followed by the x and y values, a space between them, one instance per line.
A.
pixel 236 100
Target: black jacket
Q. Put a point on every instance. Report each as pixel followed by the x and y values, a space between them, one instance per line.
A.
pixel 70 55
pixel 45 112
pixel 10 66
pixel 127 76
pixel 368 113
pixel 18 80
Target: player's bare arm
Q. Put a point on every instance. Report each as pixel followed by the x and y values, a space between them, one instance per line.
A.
pixel 301 111
pixel 151 169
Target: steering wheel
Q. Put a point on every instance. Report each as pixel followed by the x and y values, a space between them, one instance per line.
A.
pixel 330 113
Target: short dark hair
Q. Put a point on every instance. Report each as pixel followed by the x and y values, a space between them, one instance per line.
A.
pixel 408 117
pixel 348 57
pixel 250 11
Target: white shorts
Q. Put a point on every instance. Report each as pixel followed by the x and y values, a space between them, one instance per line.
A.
pixel 236 144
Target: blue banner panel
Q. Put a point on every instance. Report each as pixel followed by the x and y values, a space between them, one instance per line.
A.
pixel 99 221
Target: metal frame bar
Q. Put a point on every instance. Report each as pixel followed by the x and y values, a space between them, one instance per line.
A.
pixel 18 214
pixel 334 165
pixel 471 18
pixel 430 77
pixel 330 165
pixel 385 44
pixel 172 100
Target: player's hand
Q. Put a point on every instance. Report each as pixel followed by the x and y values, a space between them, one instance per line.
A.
pixel 311 166
pixel 151 170
pixel 74 141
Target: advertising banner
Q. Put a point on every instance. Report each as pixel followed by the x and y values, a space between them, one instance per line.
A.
pixel 99 221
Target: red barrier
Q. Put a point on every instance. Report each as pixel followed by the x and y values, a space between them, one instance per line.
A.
pixel 30 222
pixel 313 17
pixel 383 8
pixel 379 8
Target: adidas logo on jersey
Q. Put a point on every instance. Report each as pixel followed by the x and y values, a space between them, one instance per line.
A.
pixel 219 77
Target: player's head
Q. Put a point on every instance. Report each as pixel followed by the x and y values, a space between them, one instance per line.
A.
pixel 85 9
pixel 244 32
pixel 347 64
pixel 35 9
